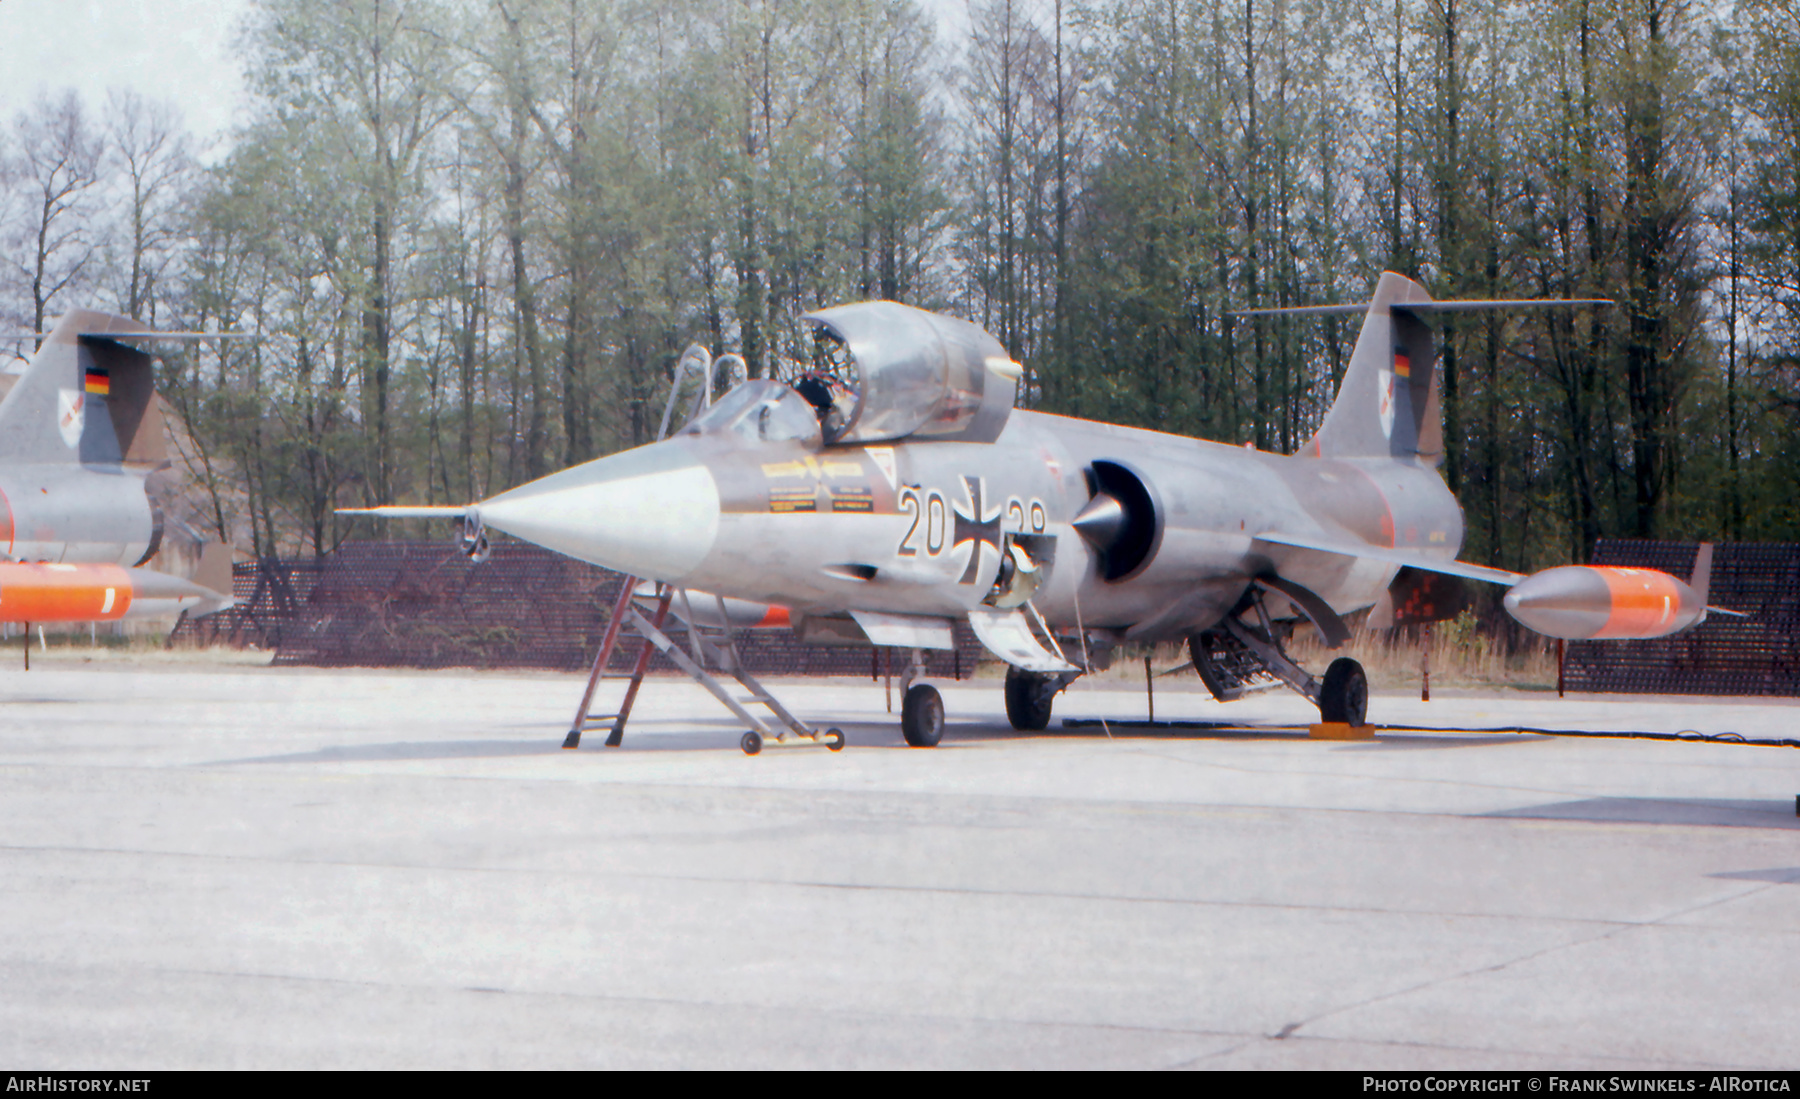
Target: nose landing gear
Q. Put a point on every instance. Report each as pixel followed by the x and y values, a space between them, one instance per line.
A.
pixel 922 716
pixel 921 706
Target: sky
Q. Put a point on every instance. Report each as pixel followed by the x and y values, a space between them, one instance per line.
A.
pixel 177 50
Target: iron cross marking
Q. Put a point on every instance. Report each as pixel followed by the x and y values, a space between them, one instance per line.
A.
pixel 975 525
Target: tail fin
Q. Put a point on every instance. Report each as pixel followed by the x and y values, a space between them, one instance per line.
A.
pixel 85 398
pixel 1387 405
pixel 1388 402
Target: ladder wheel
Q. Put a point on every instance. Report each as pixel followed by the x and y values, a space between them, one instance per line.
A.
pixel 922 716
pixel 834 739
pixel 751 744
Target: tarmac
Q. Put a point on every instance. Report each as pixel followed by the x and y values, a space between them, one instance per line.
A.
pixel 280 868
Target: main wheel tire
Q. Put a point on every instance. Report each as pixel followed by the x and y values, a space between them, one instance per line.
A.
pixel 1029 697
pixel 922 716
pixel 1344 696
pixel 751 743
pixel 834 740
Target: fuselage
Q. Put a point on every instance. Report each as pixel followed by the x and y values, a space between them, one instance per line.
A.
pixel 70 513
pixel 919 528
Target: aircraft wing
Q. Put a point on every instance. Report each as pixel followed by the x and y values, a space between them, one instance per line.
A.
pixel 1395 556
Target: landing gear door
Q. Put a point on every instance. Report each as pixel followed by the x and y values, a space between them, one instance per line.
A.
pixel 1007 635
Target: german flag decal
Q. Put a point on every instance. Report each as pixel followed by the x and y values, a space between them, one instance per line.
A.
pixel 97 382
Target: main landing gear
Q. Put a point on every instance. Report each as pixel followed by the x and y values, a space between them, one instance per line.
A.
pixel 1030 695
pixel 1344 694
pixel 1234 660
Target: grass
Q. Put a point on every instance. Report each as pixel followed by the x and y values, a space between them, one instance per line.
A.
pixel 1461 656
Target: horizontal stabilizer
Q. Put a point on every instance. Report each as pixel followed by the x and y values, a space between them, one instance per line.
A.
pixel 166 337
pixel 447 511
pixel 1471 305
pixel 136 337
pixel 1476 305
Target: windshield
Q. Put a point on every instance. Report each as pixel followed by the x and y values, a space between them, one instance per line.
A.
pixel 760 411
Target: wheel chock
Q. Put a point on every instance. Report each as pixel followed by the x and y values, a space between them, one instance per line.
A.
pixel 1340 730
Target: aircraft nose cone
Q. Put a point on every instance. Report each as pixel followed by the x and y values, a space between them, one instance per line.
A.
pixel 1568 602
pixel 650 512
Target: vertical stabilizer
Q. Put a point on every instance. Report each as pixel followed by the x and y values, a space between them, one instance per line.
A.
pixel 1387 405
pixel 84 399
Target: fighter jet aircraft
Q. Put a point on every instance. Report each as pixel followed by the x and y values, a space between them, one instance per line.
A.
pixel 889 489
pixel 79 434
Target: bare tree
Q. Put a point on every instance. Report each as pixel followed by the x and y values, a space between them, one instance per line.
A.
pixel 53 166
pixel 155 155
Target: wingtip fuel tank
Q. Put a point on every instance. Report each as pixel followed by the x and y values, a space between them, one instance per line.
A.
pixel 1593 602
pixel 99 593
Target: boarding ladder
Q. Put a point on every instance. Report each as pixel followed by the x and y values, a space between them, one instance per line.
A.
pixel 716 646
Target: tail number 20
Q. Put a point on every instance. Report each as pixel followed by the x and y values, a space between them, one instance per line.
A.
pixel 929 512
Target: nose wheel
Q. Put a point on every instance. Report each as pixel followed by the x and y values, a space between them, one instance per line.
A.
pixel 922 716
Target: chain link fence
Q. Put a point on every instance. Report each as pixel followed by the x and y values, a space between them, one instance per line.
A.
pixel 1759 655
